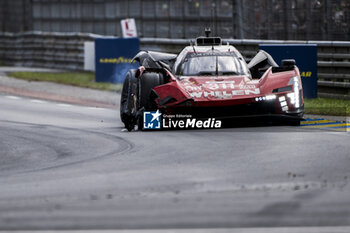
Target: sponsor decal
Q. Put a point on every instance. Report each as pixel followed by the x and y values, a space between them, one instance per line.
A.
pixel 215 53
pixel 118 60
pixel 223 94
pixel 224 82
pixel 243 85
pixel 306 74
pixel 220 89
pixel 155 120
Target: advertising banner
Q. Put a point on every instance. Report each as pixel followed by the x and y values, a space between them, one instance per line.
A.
pixel 113 58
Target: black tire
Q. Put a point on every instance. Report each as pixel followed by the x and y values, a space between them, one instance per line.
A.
pixel 146 101
pixel 146 83
pixel 126 100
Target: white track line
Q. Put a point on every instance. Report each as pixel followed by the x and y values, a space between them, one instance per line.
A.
pixel 65 105
pixel 37 101
pixel 96 108
pixel 13 97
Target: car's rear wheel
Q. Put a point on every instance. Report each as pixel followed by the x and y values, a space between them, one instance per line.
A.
pixel 146 100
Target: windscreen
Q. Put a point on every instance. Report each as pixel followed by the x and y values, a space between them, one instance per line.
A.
pixel 212 65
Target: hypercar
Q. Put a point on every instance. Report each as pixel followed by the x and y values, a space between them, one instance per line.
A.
pixel 211 79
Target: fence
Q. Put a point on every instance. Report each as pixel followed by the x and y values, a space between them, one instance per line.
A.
pixel 66 51
pixel 15 16
pixel 263 19
pixel 243 19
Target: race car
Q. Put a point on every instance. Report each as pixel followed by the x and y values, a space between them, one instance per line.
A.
pixel 209 79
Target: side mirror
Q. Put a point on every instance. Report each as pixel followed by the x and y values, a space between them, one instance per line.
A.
pixel 288 62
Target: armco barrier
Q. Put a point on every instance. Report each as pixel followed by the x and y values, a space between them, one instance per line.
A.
pixel 66 51
pixel 42 49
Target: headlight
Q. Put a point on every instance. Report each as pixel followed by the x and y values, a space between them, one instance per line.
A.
pixel 295 95
pixel 283 103
pixel 267 97
pixel 271 97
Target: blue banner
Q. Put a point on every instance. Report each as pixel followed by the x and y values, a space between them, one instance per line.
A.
pixel 113 58
pixel 305 56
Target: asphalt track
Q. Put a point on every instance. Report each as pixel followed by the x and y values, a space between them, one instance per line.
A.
pixel 74 167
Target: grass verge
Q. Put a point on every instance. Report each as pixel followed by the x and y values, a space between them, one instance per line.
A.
pixel 327 106
pixel 79 79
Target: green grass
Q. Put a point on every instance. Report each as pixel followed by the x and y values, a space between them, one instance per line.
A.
pixel 327 106
pixel 80 79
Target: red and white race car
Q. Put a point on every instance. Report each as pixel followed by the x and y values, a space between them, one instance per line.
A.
pixel 209 79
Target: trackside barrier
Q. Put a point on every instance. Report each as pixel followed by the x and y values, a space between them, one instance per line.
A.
pixel 66 51
pixel 113 58
pixel 44 49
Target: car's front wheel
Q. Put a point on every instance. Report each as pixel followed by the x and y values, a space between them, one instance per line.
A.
pixel 145 97
pixel 128 104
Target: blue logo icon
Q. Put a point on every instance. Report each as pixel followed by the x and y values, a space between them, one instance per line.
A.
pixel 151 120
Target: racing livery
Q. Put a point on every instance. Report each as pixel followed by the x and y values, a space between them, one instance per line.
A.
pixel 209 79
